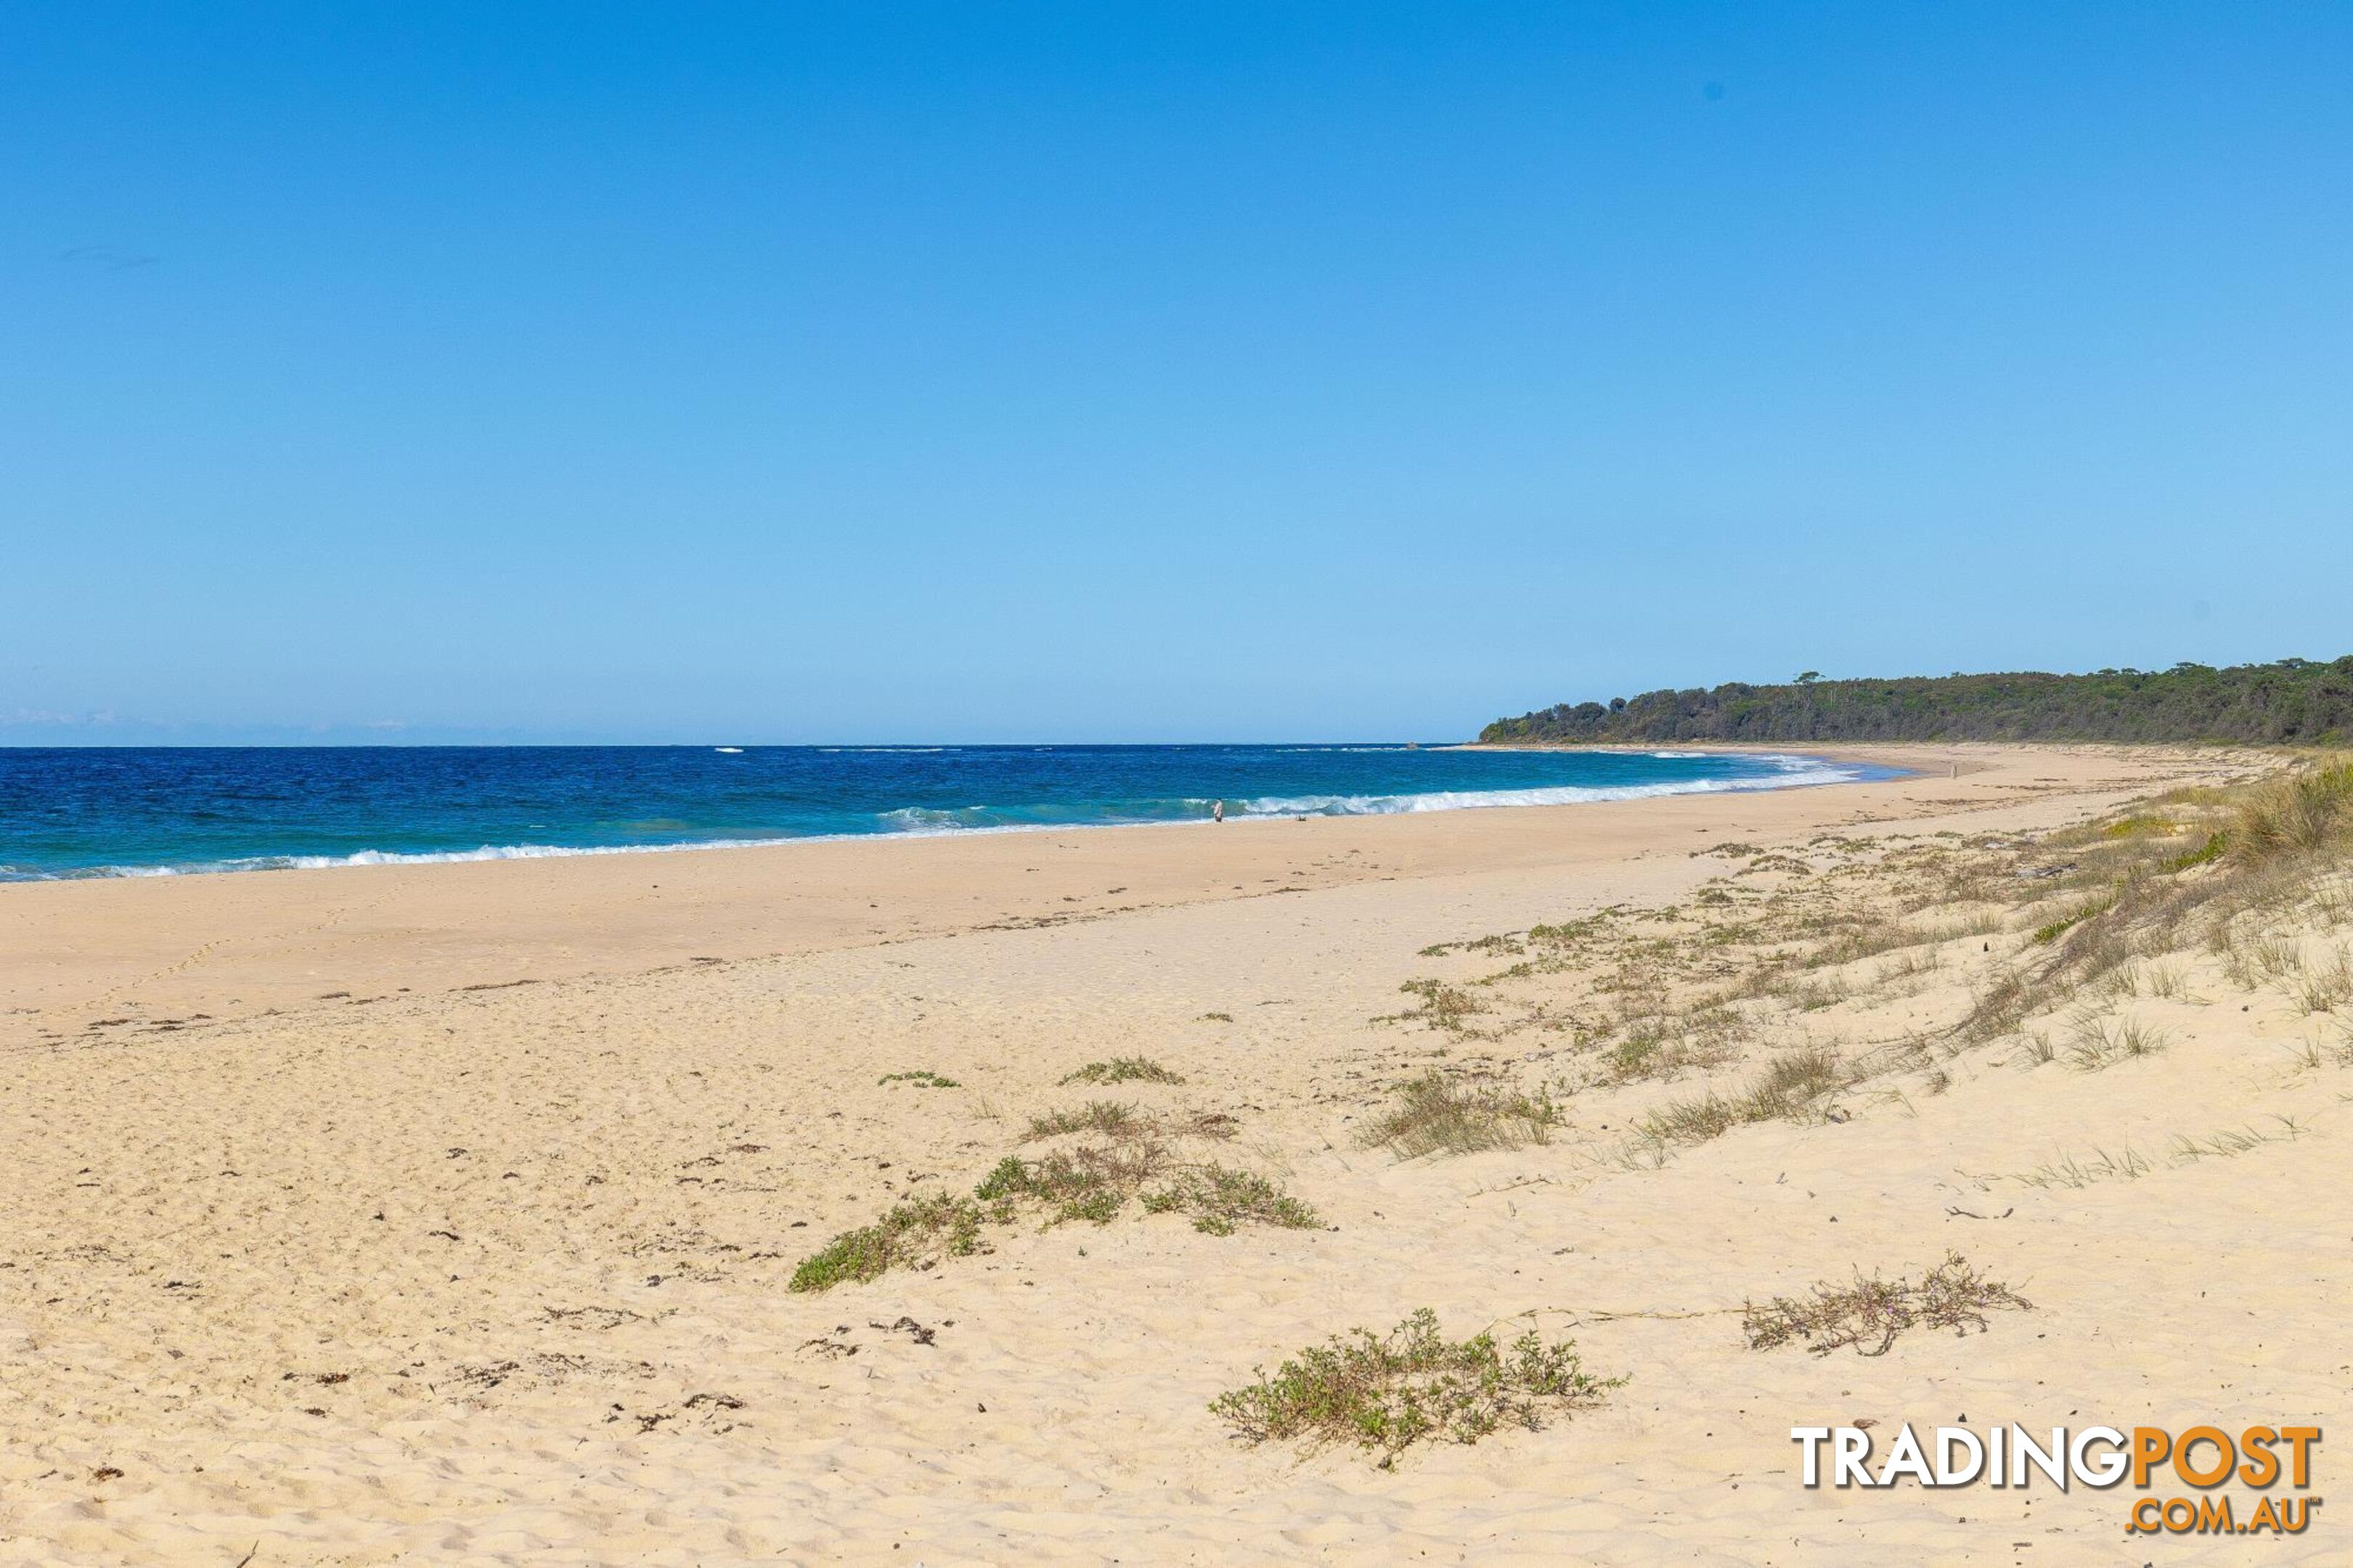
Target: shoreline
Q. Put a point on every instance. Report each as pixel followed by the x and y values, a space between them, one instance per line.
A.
pixel 226 944
pixel 370 859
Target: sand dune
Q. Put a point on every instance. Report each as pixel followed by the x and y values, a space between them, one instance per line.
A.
pixel 458 1227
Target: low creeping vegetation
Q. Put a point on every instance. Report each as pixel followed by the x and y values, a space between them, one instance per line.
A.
pixel 1435 1113
pixel 1219 1199
pixel 1089 1182
pixel 1131 1070
pixel 915 1235
pixel 1390 1391
pixel 1096 1183
pixel 1870 1313
pixel 1443 1007
pixel 921 1077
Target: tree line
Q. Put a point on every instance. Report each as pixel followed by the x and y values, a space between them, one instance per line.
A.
pixel 2290 701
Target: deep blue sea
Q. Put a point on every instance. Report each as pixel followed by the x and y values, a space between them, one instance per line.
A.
pixel 84 812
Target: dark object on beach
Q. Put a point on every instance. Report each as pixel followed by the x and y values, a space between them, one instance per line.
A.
pixel 912 1328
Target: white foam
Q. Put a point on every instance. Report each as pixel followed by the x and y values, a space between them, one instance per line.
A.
pixel 929 819
pixel 423 856
pixel 1813 773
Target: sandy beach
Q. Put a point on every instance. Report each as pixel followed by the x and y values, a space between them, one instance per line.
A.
pixel 447 1213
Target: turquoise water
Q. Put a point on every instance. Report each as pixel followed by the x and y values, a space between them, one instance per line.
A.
pixel 151 811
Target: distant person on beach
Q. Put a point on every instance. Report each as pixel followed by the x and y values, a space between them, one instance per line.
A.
pixel 1217 811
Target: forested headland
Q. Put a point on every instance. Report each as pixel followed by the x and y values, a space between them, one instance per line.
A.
pixel 2289 701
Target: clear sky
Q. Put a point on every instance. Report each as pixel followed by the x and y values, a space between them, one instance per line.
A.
pixel 1123 372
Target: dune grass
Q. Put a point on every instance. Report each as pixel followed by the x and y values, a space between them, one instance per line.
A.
pixel 1388 1392
pixel 1106 1116
pixel 2048 934
pixel 1790 1085
pixel 2309 810
pixel 2098 1042
pixel 2257 853
pixel 1438 1113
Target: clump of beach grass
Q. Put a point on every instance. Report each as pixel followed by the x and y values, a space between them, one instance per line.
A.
pixel 1388 1392
pixel 1790 1086
pixel 2002 1003
pixel 2096 1042
pixel 2324 987
pixel 1110 1117
pixel 1131 1070
pixel 2125 1165
pixel 1118 1120
pixel 1813 996
pixel 2184 1149
pixel 1438 1114
pixel 1871 1312
pixel 2271 958
pixel 2311 809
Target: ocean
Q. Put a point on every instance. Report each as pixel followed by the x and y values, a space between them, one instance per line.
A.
pixel 151 811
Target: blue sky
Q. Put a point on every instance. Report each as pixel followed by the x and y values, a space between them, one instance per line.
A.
pixel 793 372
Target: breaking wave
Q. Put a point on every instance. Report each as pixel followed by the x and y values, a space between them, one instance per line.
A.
pixel 1081 788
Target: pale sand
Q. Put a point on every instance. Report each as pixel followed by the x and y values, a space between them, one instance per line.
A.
pixel 539 1234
